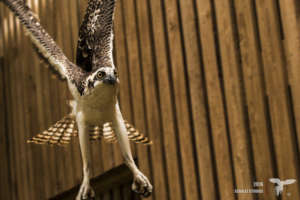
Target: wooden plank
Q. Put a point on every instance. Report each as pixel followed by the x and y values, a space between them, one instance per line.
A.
pixel 183 119
pixel 151 99
pixel 234 96
pixel 215 100
pixel 126 192
pixel 197 94
pixel 106 196
pixel 13 109
pixel 5 172
pixel 274 71
pixel 107 156
pixel 4 69
pixel 117 194
pixel 254 89
pixel 134 71
pixel 166 101
pixel 290 22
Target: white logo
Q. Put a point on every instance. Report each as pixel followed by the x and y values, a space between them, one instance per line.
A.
pixel 280 184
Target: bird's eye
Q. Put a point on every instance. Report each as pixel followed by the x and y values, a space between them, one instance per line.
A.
pixel 100 74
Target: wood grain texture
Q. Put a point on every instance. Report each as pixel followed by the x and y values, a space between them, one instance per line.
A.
pixel 254 91
pixel 276 90
pixel 215 99
pixel 214 85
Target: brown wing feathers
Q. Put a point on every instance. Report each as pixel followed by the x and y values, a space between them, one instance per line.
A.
pixel 44 43
pixel 94 49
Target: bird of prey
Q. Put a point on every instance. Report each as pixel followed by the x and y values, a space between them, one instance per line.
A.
pixel 280 184
pixel 93 82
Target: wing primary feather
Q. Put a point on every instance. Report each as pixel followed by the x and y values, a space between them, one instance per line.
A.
pixel 45 44
pixel 94 48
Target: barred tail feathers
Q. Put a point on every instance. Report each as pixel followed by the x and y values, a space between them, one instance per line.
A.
pixel 63 130
pixel 60 133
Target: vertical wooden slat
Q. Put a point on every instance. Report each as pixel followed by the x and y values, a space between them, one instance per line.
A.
pixel 136 84
pixel 5 181
pixel 274 71
pixel 151 99
pixel 234 96
pixel 165 97
pixel 290 20
pixel 117 194
pixel 215 98
pixel 254 86
pixel 197 98
pixel 183 120
pixel 16 127
pixel 107 155
pixel 126 192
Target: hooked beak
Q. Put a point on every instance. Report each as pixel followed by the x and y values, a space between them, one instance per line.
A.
pixel 111 80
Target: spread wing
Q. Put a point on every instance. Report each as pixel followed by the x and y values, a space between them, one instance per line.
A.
pixel 289 181
pixel 44 43
pixel 274 180
pixel 94 49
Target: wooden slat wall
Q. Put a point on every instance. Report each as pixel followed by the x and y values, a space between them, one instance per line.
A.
pixel 214 83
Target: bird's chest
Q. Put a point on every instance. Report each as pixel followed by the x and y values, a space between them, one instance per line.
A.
pixel 97 109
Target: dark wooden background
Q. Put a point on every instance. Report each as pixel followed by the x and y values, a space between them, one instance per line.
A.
pixel 214 83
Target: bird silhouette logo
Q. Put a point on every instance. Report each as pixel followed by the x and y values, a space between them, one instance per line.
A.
pixel 280 184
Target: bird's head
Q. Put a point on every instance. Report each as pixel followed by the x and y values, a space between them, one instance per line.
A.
pixel 104 77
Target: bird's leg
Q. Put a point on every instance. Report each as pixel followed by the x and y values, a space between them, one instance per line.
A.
pixel 141 183
pixel 85 190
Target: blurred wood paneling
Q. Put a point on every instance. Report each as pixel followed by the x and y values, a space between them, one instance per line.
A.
pixel 214 84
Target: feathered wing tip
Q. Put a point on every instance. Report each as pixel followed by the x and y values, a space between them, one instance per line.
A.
pixel 62 131
pixel 45 44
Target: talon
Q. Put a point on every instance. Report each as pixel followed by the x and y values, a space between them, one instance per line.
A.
pixel 85 192
pixel 141 185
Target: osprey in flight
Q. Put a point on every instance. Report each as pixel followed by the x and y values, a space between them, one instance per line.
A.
pixel 93 82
